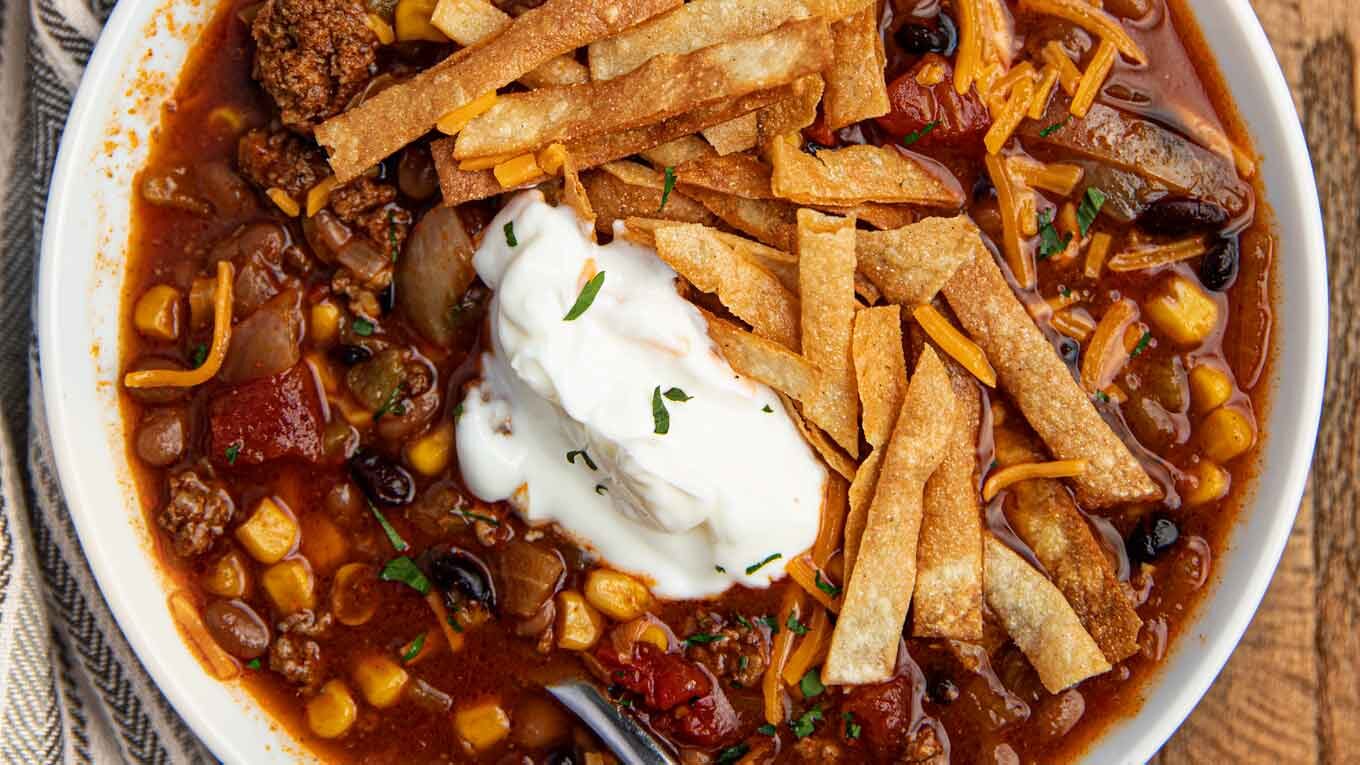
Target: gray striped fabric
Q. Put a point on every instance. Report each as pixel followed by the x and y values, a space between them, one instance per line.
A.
pixel 71 689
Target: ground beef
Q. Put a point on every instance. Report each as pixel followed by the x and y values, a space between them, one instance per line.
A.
pixel 738 657
pixel 282 160
pixel 313 56
pixel 296 658
pixel 367 205
pixel 306 623
pixel 197 513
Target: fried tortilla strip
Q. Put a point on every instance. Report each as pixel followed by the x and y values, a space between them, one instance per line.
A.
pixel 862 488
pixel 910 264
pixel 1045 518
pixel 1037 618
pixel 703 23
pixel 769 221
pixel 826 286
pixel 864 644
pixel 662 88
pixel 469 22
pixel 880 369
pixel 614 199
pixel 831 454
pixel 856 88
pixel 678 152
pixel 856 174
pixel 948 598
pixel 1036 378
pixel 783 265
pixel 751 293
pixel 763 360
pixel 574 193
pixel 364 135
pixel 793 114
pixel 734 135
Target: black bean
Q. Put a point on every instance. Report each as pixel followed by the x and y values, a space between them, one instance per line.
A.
pixel 919 39
pixel 383 481
pixel 458 571
pixel 349 355
pixel 1218 268
pixel 1151 539
pixel 1178 216
pixel 1069 349
pixel 388 298
pixel 943 691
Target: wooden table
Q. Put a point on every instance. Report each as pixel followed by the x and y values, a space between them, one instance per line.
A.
pixel 1291 693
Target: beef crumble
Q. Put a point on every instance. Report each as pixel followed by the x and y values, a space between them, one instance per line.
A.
pixel 313 56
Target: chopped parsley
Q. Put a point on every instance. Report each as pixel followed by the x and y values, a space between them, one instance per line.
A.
pixel 852 728
pixel 1051 129
pixel 754 567
pixel 199 355
pixel 405 570
pixel 731 754
pixel 509 229
pixel 661 419
pixel 825 586
pixel 916 135
pixel 675 394
pixel 253 664
pixel 805 725
pixel 233 451
pixel 362 327
pixel 601 489
pixel 770 622
pixel 722 570
pixel 1050 241
pixel 468 515
pixel 392 405
pixel 574 453
pixel 1142 345
pixel 766 409
pixel 795 626
pixel 667 188
pixel 743 621
pixel 702 638
pixel 767 730
pixel 398 543
pixel 811 684
pixel 392 234
pixel 1103 397
pixel 586 297
pixel 1089 208
pixel 414 650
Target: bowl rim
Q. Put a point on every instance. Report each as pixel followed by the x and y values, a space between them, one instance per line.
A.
pixel 1154 724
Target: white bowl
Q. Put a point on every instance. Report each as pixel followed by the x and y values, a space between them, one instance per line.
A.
pixel 134 69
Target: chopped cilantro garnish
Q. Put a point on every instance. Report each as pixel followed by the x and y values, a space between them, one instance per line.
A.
pixel 754 567
pixel 458 412
pixel 471 516
pixel 675 394
pixel 405 570
pixel 743 621
pixel 916 135
pixel 1089 208
pixel 362 327
pixel 233 451
pixel 702 638
pixel 509 229
pixel 721 570
pixel 731 754
pixel 795 626
pixel 1065 292
pixel 601 489
pixel 825 586
pixel 1142 345
pixel 586 297
pixel 1103 397
pixel 414 650
pixel 1050 241
pixel 574 453
pixel 767 730
pixel 253 664
pixel 766 409
pixel 811 684
pixel 743 662
pixel 199 355
pixel 852 728
pixel 661 419
pixel 398 543
pixel 1051 129
pixel 667 187
pixel 770 622
pixel 805 725
pixel 392 405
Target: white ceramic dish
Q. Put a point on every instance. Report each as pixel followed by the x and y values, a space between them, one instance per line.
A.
pixel 118 107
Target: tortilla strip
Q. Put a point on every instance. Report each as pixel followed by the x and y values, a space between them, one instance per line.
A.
pixel 1041 623
pixel 469 22
pixel 791 115
pixel 364 135
pixel 763 360
pixel 826 286
pixel 910 264
pixel 701 24
pixel 750 292
pixel 948 598
pixel 614 199
pixel 880 369
pixel 874 608
pixel 678 152
pixel 734 135
pixel 856 88
pixel 862 488
pixel 855 174
pixel 783 265
pixel 574 193
pixel 769 221
pixel 1045 518
pixel 830 453
pixel 664 87
pixel 1036 378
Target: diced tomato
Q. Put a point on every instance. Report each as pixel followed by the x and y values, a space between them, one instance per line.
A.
pixel 682 698
pixel 884 713
pixel 957 119
pixel 267 419
pixel 708 721
pixel 818 132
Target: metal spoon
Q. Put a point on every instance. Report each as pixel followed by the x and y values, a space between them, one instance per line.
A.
pixel 628 740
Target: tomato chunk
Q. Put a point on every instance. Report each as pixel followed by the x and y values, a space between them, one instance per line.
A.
pixel 957 119
pixel 266 419
pixel 684 698
pixel 884 712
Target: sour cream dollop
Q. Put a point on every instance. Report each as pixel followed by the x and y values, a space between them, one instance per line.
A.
pixel 563 421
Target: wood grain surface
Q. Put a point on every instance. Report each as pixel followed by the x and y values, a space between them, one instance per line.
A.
pixel 1291 692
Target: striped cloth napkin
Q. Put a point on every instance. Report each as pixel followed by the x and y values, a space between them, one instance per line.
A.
pixel 71 689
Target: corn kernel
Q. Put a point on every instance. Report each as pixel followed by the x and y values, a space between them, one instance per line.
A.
pixel 579 625
pixel 381 29
pixel 319 195
pixel 620 596
pixel 354 597
pixel 1182 311
pixel 157 313
pixel 482 726
pixel 325 322
pixel 1210 387
pixel 381 680
pixel 429 455
pixel 552 158
pixel 517 171
pixel 412 19
pixel 458 119
pixel 484 163
pixel 290 585
pixel 1210 482
pixel 1226 433
pixel 323 543
pixel 270 533
pixel 332 712
pixel 281 200
pixel 227 577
